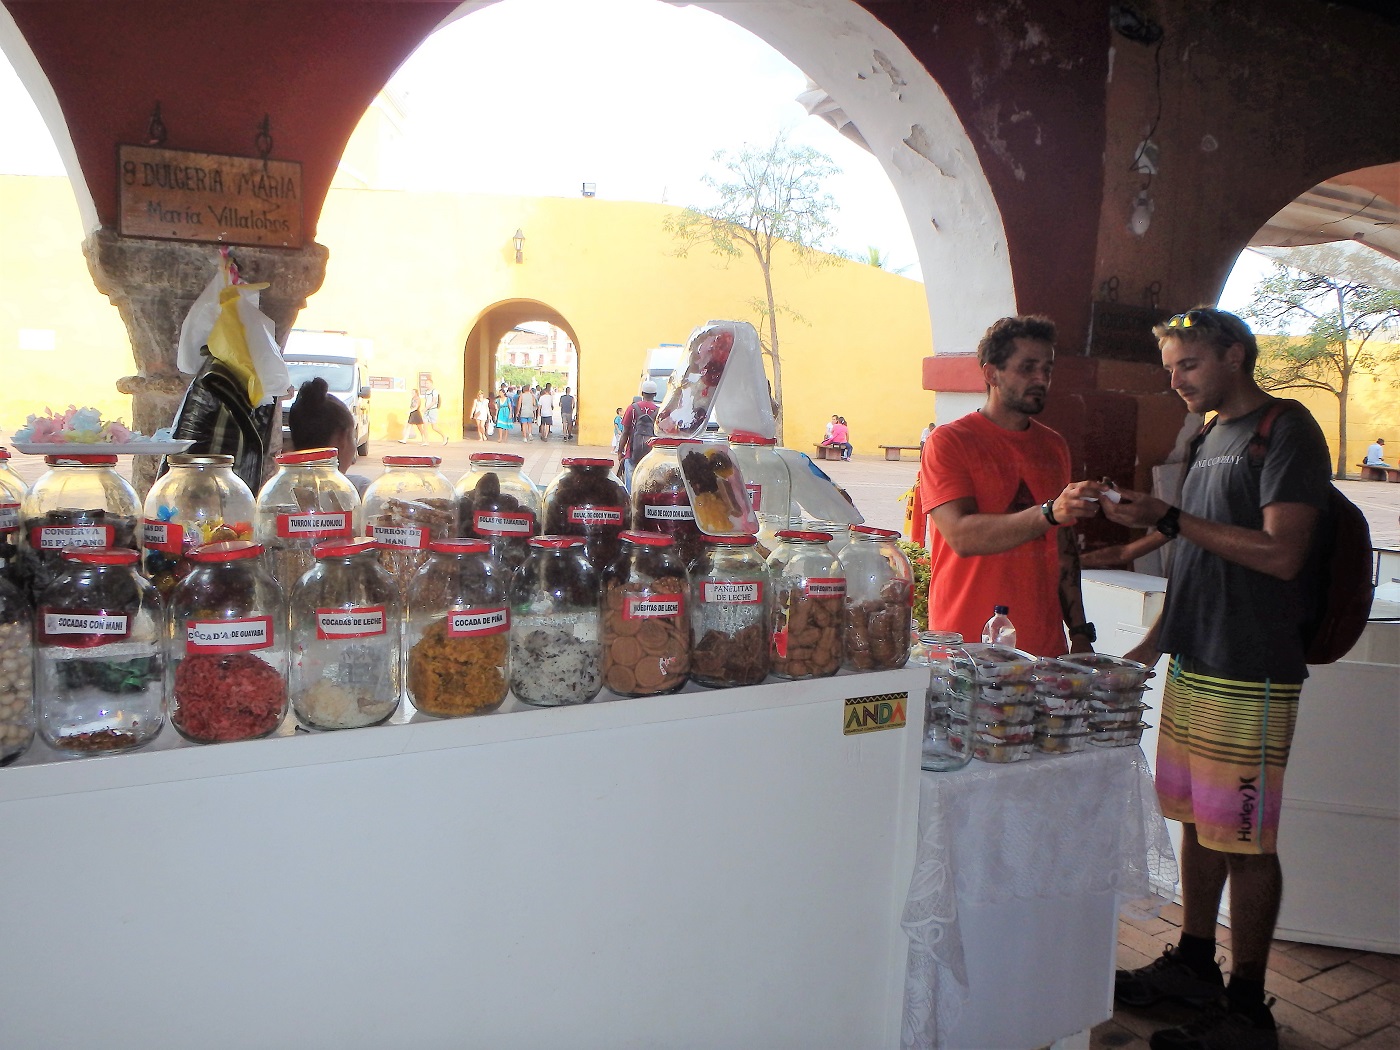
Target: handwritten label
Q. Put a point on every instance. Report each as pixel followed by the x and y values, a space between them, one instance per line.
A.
pixel 732 593
pixel 9 517
pixel 228 636
pixel 320 525
pixel 363 621
pixel 414 537
pixel 824 587
pixel 109 625
pixel 56 537
pixel 665 513
pixel 162 536
pixel 500 523
pixel 652 607
pixel 595 516
pixel 478 622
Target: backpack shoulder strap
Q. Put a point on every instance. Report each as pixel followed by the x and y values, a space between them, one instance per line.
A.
pixel 1263 433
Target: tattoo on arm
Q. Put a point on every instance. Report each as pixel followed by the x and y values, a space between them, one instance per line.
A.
pixel 1071 598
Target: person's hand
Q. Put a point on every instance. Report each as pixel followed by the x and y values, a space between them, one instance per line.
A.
pixel 618 469
pixel 1137 510
pixel 1079 500
pixel 1080 644
pixel 1143 653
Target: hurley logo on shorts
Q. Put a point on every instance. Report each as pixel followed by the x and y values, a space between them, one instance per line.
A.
pixel 1249 794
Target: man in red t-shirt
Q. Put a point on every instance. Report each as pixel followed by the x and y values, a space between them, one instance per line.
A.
pixel 997 487
pixel 627 456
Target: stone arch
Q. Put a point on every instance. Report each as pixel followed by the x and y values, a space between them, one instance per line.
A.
pixel 487 329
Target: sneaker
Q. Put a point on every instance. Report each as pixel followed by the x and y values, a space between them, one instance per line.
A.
pixel 1167 978
pixel 1221 1028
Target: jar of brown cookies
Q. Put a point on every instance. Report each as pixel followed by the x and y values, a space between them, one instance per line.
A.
pixel 730 609
pixel 497 502
pixel 586 500
pixel 459 630
pixel 809 597
pixel 646 623
pixel 879 600
pixel 406 508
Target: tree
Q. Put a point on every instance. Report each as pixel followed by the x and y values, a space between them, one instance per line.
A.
pixel 1325 329
pixel 881 260
pixel 766 197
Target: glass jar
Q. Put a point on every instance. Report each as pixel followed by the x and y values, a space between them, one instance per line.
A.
pixel 765 474
pixel 660 502
pixel 226 646
pixel 730 609
pixel 80 501
pixel 947 736
pixel 879 600
pixel 306 502
pixel 16 674
pixel 201 500
pixel 646 623
pixel 497 502
pixel 458 630
pixel 839 532
pixel 586 500
pixel 809 596
pixel 347 623
pixel 555 654
pixel 12 493
pixel 406 508
pixel 98 654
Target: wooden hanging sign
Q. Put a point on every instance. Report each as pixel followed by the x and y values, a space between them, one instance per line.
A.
pixel 182 196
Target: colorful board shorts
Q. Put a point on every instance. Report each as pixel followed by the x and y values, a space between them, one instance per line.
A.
pixel 1221 751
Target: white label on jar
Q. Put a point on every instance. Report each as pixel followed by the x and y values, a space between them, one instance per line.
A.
pixel 478 622
pixel 824 587
pixel 595 516
pixel 362 621
pixel 501 523
pixel 314 526
pixel 228 636
pixel 97 627
pixel 651 607
pixel 162 536
pixel 412 536
pixel 732 593
pixel 56 537
pixel 668 513
pixel 755 495
pixel 9 516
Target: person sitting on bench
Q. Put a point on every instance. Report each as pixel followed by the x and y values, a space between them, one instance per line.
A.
pixel 838 436
pixel 1375 455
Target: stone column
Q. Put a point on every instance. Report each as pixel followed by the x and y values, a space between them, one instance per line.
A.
pixel 153 284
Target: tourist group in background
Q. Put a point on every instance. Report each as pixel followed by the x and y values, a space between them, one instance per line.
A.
pixel 536 411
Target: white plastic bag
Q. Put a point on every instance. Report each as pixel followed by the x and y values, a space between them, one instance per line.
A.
pixel 253 334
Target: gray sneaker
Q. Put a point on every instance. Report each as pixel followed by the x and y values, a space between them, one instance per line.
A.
pixel 1221 1028
pixel 1167 978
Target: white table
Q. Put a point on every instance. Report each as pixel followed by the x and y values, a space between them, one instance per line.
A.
pixel 1013 907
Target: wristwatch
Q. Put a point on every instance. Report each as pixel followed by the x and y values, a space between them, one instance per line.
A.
pixel 1169 524
pixel 1087 631
pixel 1048 509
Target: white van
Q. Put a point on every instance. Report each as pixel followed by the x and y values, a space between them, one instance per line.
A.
pixel 343 362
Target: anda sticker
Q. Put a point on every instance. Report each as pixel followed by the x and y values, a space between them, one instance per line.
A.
pixel 870 714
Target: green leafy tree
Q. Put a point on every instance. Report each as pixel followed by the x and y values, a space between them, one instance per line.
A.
pixel 765 198
pixel 881 260
pixel 1324 330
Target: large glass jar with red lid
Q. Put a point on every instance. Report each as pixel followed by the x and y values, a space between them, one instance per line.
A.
pixel 306 502
pixel 646 621
pixel 12 493
pixel 766 477
pixel 98 654
pixel 497 502
pixel 406 508
pixel 226 646
pixel 459 630
pixel 660 502
pixel 586 500
pixel 16 673
pixel 730 610
pixel 879 600
pixel 809 597
pixel 346 620
pixel 80 501
pixel 556 654
pixel 199 501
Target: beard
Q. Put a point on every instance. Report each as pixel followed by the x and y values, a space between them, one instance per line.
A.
pixel 1028 404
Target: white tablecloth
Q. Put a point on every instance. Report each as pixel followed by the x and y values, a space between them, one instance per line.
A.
pixel 1051 834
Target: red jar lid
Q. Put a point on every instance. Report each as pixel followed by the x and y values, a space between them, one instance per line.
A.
pixel 871 530
pixel 670 442
pixel 4 453
pixel 747 437
pixel 578 462
pixel 345 548
pixel 227 550
pixel 412 461
pixel 306 455
pixel 728 541
pixel 556 542
pixel 647 539
pixel 458 546
pixel 87 459
pixel 102 555
pixel 497 457
pixel 804 537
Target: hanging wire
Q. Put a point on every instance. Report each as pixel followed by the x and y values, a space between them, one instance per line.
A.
pixel 1157 118
pixel 262 141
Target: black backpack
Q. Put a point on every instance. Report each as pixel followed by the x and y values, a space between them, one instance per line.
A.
pixel 643 430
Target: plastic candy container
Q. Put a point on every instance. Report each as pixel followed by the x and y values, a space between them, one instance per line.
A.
pixel 81 501
pixel 555 653
pixel 458 630
pixel 199 501
pixel 1062 706
pixel 1115 698
pixel 946 747
pixel 498 503
pixel 16 674
pixel 716 489
pixel 809 597
pixel 12 493
pixel 646 623
pixel 308 500
pixel 994 701
pixel 226 646
pixel 98 671
pixel 406 508
pixel 730 610
pixel 586 500
pixel 660 502
pixel 346 634
pixel 879 600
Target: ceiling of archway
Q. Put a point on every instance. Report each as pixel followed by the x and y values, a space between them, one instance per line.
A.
pixel 1362 207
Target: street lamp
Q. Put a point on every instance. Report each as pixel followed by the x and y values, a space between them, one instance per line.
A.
pixel 519 241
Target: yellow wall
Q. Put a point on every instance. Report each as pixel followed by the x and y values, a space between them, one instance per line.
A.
pixel 1373 410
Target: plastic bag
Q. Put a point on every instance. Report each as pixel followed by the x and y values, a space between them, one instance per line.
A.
pixel 721 380
pixel 815 492
pixel 225 318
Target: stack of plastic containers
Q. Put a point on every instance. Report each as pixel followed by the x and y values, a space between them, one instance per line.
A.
pixel 1062 706
pixel 996 686
pixel 1115 701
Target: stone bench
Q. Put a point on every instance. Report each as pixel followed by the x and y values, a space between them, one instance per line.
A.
pixel 1370 472
pixel 827 452
pixel 893 452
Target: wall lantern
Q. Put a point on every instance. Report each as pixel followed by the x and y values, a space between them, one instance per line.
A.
pixel 519 241
pixel 590 189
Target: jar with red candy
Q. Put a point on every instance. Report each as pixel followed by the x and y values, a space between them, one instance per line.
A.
pixel 586 500
pixel 660 502
pixel 497 502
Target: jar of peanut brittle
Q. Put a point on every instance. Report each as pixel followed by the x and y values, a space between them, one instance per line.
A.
pixel 809 596
pixel 307 501
pixel 646 624
pixel 406 508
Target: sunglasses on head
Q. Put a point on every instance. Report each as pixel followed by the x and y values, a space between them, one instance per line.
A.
pixel 1193 319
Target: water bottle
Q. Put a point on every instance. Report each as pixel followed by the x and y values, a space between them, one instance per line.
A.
pixel 1000 630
